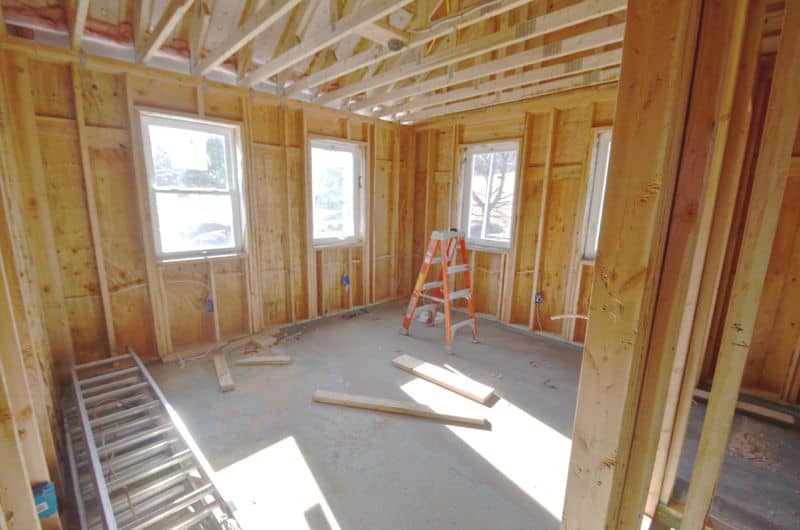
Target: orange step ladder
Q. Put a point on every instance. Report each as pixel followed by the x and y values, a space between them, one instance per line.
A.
pixel 447 242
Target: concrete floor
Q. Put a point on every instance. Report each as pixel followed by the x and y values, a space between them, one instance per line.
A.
pixel 289 463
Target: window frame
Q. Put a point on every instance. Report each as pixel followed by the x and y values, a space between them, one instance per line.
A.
pixel 466 188
pixel 591 190
pixel 359 168
pixel 231 131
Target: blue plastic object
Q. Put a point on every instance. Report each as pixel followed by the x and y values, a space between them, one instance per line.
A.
pixel 44 495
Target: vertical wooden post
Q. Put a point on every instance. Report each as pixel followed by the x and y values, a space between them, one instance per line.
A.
pixel 212 293
pixel 91 206
pixel 251 264
pixel 769 182
pixel 511 262
pixel 155 285
pixel 15 483
pixel 311 255
pixel 27 152
pixel 719 49
pixel 395 230
pixel 658 60
pixel 368 255
pixel 287 245
pixel 685 377
pixel 548 169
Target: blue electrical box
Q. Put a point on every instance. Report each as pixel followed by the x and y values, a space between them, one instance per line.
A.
pixel 44 496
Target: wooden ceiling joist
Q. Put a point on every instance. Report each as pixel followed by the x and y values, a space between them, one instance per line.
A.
pixel 572 45
pixel 568 83
pixel 77 22
pixel 528 29
pixel 419 38
pixel 171 17
pixel 198 30
pixel 343 27
pixel 578 66
pixel 240 37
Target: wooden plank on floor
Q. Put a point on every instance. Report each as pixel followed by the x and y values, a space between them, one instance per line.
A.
pixel 752 408
pixel 460 384
pixel 263 360
pixel 408 408
pixel 223 373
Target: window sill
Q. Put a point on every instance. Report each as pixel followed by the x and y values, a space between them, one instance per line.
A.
pixel 487 248
pixel 344 243
pixel 202 259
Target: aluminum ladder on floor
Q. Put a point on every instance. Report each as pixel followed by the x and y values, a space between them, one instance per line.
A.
pixel 451 244
pixel 132 464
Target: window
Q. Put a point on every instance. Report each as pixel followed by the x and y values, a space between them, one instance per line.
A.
pixel 596 193
pixel 194 185
pixel 490 177
pixel 336 191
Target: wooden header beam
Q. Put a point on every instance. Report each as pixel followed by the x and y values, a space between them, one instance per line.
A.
pixel 339 30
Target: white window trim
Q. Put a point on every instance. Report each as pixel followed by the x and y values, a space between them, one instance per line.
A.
pixel 357 149
pixel 466 187
pixel 590 190
pixel 232 134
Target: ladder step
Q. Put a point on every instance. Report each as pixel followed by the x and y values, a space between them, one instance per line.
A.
pixel 431 285
pixel 458 268
pixel 114 393
pixel 463 293
pixel 434 261
pixel 444 235
pixel 135 475
pixel 125 413
pixel 133 440
pixel 458 325
pixel 431 297
pixel 105 387
pixel 192 518
pixel 174 507
pixel 105 377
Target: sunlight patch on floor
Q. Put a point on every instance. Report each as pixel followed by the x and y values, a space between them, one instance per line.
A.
pixel 275 488
pixel 530 453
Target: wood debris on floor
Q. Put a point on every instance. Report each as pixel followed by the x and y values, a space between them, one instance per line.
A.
pixel 458 383
pixel 408 408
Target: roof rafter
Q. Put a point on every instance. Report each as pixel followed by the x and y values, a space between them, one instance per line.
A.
pixel 79 10
pixel 198 30
pixel 525 30
pixel 254 26
pixel 380 53
pixel 339 30
pixel 580 43
pixel 601 77
pixel 577 66
pixel 169 20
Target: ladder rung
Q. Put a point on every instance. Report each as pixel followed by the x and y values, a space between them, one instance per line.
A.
pixel 127 478
pixel 135 439
pixel 101 362
pixel 434 261
pixel 105 387
pixel 431 285
pixel 431 297
pixel 105 377
pixel 458 325
pixel 192 518
pixel 114 416
pixel 444 235
pixel 463 293
pixel 174 507
pixel 114 393
pixel 458 268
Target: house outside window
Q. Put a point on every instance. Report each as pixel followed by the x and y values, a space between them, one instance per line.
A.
pixel 489 187
pixel 336 191
pixel 194 186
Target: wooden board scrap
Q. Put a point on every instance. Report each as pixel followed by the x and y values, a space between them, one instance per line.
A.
pixel 223 373
pixel 263 360
pixel 408 408
pixel 460 384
